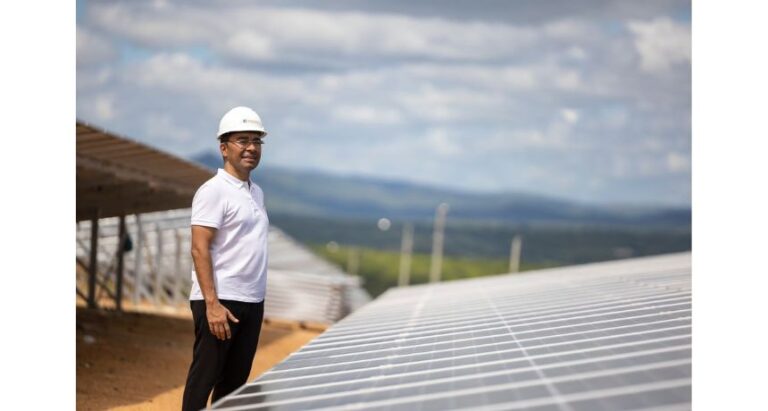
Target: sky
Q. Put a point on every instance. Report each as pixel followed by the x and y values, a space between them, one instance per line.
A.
pixel 588 100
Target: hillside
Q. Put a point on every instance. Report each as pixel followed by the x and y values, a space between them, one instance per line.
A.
pixel 318 209
pixel 306 193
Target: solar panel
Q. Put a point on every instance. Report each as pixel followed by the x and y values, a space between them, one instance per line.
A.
pixel 604 336
pixel 302 286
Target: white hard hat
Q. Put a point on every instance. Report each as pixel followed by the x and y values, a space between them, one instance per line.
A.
pixel 240 119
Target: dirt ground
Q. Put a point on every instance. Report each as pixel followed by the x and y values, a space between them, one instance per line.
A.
pixel 139 360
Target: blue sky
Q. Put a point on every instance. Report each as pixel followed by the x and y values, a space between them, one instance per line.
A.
pixel 586 100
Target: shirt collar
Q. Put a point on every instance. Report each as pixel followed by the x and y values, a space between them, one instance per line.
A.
pixel 231 179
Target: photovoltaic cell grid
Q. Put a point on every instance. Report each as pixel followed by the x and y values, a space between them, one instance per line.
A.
pixel 603 336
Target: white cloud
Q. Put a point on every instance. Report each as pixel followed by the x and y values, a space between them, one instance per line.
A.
pixel 564 97
pixel 161 4
pixel 157 26
pixel 104 107
pixel 619 167
pixel 652 144
pixel 507 77
pixel 163 126
pixel 530 139
pixel 251 45
pixel 677 162
pixel 568 80
pixel 661 43
pixel 286 34
pixel 94 78
pixel 569 29
pixel 182 73
pixel 570 115
pixel 358 35
pixel 577 53
pixel 92 48
pixel 614 117
pixel 438 140
pixel 553 138
pixel 367 115
pixel 428 102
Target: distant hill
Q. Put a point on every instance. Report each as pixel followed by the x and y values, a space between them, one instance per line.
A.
pixel 309 193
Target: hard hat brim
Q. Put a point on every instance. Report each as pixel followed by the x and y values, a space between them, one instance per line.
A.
pixel 261 133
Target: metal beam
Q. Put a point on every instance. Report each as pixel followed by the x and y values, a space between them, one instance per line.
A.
pixel 120 253
pixel 138 281
pixel 139 200
pixel 147 205
pixel 81 294
pixel 90 185
pixel 105 287
pixel 127 173
pixel 158 264
pixel 116 194
pixel 93 265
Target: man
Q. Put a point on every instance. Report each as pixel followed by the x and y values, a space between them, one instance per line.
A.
pixel 229 251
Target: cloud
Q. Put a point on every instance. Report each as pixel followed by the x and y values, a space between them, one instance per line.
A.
pixel 94 78
pixel 104 107
pixel 568 29
pixel 250 45
pixel 92 48
pixel 563 106
pixel 156 25
pixel 570 115
pixel 614 117
pixel 555 137
pixel 577 53
pixel 310 35
pixel 368 115
pixel 181 73
pixel 163 124
pixel 429 103
pixel 661 43
pixel 677 162
pixel 438 140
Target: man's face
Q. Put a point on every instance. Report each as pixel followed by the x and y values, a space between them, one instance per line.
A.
pixel 242 150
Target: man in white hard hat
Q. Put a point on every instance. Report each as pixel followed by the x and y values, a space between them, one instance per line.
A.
pixel 229 250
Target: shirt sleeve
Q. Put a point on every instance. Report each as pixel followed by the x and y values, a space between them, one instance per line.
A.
pixel 208 207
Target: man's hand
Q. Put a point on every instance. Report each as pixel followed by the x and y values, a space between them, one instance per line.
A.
pixel 217 320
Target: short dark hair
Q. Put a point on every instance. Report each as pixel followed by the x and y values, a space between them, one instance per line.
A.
pixel 225 137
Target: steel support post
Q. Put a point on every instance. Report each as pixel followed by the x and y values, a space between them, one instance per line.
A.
pixel 93 263
pixel 120 254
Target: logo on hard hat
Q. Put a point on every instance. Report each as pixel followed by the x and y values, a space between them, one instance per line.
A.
pixel 245 120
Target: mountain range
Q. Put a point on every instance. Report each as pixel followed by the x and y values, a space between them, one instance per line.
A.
pixel 311 193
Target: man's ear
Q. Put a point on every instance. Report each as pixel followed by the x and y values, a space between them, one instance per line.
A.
pixel 223 150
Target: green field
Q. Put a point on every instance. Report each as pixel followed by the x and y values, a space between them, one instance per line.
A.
pixel 542 244
pixel 474 249
pixel 379 270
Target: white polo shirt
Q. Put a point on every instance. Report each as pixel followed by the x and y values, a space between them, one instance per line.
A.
pixel 239 248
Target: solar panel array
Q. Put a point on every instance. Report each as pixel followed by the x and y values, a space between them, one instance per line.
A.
pixel 301 285
pixel 605 336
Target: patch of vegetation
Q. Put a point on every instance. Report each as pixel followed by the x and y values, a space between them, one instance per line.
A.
pixel 379 269
pixel 553 244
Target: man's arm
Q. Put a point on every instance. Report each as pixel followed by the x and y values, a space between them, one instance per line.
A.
pixel 216 313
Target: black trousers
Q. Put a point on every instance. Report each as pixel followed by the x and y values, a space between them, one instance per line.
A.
pixel 221 366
